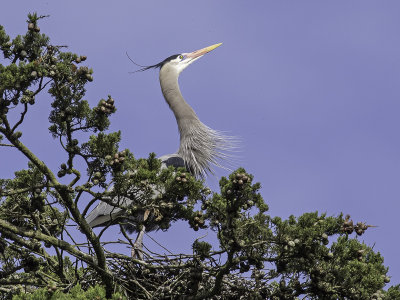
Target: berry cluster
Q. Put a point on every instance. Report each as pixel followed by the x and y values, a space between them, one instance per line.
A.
pixel 360 254
pixel 84 72
pixel 29 96
pixel 33 27
pixel 106 107
pixel 348 226
pixel 97 178
pixel 81 58
pixel 63 170
pixel 197 221
pixel 240 180
pixel 181 177
pixel 117 160
pixel 360 228
pixel 73 147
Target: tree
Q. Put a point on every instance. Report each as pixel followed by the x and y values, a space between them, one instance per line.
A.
pixel 257 256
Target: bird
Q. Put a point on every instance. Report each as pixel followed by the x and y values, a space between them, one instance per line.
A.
pixel 200 149
pixel 200 146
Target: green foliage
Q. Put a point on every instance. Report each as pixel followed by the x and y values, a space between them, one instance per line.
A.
pixel 25 49
pixel 392 293
pixel 167 194
pixel 202 249
pixel 100 151
pixel 26 204
pixel 76 293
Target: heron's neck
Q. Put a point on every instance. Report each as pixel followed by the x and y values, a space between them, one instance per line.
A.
pixel 170 88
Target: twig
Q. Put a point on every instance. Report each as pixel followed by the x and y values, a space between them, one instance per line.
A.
pixel 158 243
pixel 22 117
pixel 6 145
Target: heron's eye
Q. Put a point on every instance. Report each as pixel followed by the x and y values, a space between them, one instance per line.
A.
pixel 180 57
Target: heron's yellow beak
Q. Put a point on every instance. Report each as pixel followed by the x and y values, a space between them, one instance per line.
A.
pixel 210 48
pixel 203 51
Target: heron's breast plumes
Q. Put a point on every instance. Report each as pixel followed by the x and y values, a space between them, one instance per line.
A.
pixel 202 147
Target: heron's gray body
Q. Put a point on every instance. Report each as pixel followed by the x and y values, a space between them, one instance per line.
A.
pixel 200 146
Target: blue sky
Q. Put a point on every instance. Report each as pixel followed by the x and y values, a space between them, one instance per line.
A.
pixel 311 88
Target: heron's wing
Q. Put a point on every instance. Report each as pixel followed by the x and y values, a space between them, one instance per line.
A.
pixel 172 160
pixel 104 213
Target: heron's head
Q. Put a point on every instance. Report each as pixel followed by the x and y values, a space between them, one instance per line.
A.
pixel 178 62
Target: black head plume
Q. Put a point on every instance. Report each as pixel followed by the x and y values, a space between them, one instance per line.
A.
pixel 156 66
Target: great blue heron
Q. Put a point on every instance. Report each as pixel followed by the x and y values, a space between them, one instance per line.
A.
pixel 200 146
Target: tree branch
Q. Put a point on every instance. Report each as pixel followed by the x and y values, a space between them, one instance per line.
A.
pixel 65 195
pixel 11 229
